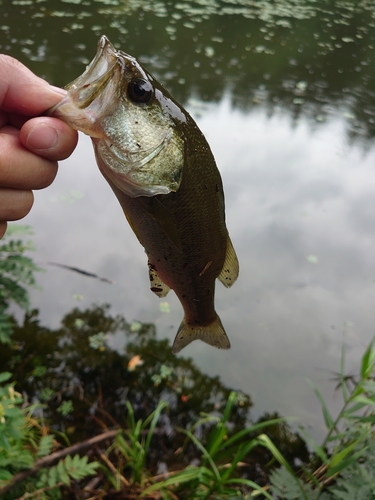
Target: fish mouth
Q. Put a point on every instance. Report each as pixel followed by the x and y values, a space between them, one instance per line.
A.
pixel 86 97
pixel 93 81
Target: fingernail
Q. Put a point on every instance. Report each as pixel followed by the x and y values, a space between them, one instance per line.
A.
pixel 42 137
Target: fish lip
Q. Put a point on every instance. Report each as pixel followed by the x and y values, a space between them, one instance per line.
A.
pixel 87 86
pixel 83 90
pixel 85 94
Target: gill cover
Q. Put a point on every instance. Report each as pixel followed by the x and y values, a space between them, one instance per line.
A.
pixel 133 124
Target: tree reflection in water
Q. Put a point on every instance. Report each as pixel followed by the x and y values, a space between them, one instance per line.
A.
pixel 85 383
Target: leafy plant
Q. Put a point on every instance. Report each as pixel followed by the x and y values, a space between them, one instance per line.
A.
pixel 346 470
pixel 221 457
pixel 134 442
pixel 13 427
pixel 25 442
pixel 16 271
pixel 66 470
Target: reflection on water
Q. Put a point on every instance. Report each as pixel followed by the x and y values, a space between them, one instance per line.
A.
pixel 284 93
pixel 87 383
pixel 310 57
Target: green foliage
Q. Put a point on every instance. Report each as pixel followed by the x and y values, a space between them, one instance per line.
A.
pixel 67 469
pixel 134 442
pixel 221 456
pixel 13 427
pixel 23 439
pixel 45 445
pixel 284 486
pixel 357 481
pixel 16 272
pixel 65 408
pixel 347 452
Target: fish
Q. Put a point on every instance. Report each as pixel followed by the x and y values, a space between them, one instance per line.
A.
pixel 163 173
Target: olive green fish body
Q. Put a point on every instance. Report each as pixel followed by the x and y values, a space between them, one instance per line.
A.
pixel 186 254
pixel 163 173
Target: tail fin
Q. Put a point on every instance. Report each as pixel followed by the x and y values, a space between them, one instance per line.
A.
pixel 213 334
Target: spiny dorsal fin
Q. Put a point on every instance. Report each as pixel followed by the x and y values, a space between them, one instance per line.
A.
pixel 229 273
pixel 212 334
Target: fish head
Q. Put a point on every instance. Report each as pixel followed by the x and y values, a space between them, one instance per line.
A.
pixel 135 125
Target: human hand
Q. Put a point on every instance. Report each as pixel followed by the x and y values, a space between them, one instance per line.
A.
pixel 30 145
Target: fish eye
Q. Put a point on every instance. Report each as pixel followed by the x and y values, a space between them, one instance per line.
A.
pixel 140 91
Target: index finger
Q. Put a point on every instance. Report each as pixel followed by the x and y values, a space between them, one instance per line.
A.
pixel 23 92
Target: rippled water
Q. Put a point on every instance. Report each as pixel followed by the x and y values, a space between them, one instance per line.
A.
pixel 284 92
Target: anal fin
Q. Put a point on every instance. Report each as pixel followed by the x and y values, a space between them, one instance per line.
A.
pixel 229 273
pixel 156 284
pixel 212 334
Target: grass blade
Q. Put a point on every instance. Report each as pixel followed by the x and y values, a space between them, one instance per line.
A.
pixel 155 418
pixel 344 463
pixel 239 435
pixel 338 457
pixel 205 453
pixel 342 375
pixel 315 447
pixel 326 414
pixel 258 490
pixel 242 451
pixel 266 442
pixel 178 478
pixel 368 361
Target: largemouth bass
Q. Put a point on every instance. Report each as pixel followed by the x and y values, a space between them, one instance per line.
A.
pixel 162 171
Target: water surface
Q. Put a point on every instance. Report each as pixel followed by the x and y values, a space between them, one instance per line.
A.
pixel 284 93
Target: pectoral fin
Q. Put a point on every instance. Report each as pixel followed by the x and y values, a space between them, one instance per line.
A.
pixel 229 273
pixel 156 284
pixel 212 334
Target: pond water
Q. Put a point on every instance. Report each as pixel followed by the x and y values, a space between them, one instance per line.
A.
pixel 285 93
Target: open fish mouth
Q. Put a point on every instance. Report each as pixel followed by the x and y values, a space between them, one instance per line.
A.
pixel 86 97
pixel 97 74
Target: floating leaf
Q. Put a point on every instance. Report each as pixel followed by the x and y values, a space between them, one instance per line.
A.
pixel 98 341
pixel 134 362
pixel 313 259
pixel 135 326
pixel 164 307
pixel 77 296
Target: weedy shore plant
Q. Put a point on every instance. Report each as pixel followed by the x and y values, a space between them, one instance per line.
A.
pixel 17 271
pixel 25 441
pixel 342 467
pixel 346 469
